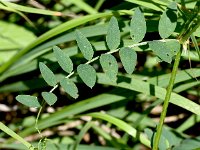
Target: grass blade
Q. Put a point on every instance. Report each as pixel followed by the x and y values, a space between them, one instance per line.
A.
pixel 16 136
pixel 31 10
pixel 55 31
pixel 83 131
pixel 84 6
pixel 122 125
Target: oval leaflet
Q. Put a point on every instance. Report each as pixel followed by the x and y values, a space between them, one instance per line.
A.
pixel 113 34
pixel 50 98
pixel 70 87
pixel 87 73
pixel 84 45
pixel 47 74
pixel 168 21
pixel 138 26
pixel 28 100
pixel 63 59
pixel 128 58
pixel 109 65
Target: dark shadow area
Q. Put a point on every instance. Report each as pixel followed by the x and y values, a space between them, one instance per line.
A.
pixel 123 79
pixel 171 14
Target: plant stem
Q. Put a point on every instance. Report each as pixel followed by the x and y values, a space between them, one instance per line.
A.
pixel 183 37
pixel 166 102
pixel 16 136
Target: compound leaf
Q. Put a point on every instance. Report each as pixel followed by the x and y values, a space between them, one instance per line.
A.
pixel 128 58
pixel 113 34
pixel 109 65
pixel 63 59
pixel 161 50
pixel 70 87
pixel 47 74
pixel 168 21
pixel 28 100
pixel 84 45
pixel 87 73
pixel 138 26
pixel 50 98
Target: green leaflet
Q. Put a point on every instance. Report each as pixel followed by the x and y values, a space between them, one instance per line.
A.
pixel 88 74
pixel 84 45
pixel 50 98
pixel 161 50
pixel 174 46
pixel 70 87
pixel 28 100
pixel 138 26
pixel 63 59
pixel 168 21
pixel 47 74
pixel 110 66
pixel 128 58
pixel 113 34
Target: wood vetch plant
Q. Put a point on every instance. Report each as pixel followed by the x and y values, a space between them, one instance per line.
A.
pixel 166 49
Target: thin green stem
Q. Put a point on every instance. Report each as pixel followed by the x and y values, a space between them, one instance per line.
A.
pixel 189 33
pixel 182 39
pixel 10 132
pixel 166 102
pixel 99 4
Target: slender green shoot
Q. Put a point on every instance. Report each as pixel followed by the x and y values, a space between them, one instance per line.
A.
pixel 7 130
pixel 166 102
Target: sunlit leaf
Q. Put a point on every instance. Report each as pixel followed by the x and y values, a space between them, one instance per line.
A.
pixel 113 34
pixel 63 59
pixel 138 26
pixel 174 46
pixel 88 74
pixel 50 98
pixel 129 58
pixel 47 74
pixel 28 100
pixel 168 21
pixel 10 37
pixel 161 50
pixel 70 87
pixel 84 45
pixel 109 65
